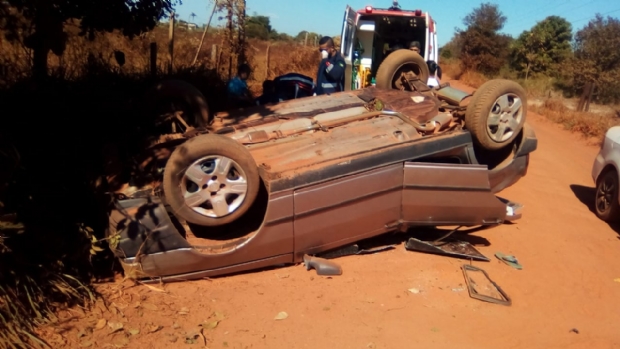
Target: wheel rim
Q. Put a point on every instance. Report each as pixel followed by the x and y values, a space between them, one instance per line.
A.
pixel 505 117
pixel 410 69
pixel 214 186
pixel 605 194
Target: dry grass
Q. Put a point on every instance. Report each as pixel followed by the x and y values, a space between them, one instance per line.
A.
pixel 473 79
pixel 590 125
pixel 82 56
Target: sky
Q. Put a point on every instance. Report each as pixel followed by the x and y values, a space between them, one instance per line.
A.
pixel 325 16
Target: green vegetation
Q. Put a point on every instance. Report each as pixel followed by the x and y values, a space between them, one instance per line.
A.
pixel 548 58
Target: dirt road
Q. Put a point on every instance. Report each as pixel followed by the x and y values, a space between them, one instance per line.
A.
pixel 570 261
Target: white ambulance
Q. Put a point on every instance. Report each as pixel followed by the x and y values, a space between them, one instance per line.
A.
pixel 376 45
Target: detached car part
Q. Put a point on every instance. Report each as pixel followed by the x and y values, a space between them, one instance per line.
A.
pixel 474 288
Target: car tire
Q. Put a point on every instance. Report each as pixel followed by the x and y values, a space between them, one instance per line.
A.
pixel 606 206
pixel 398 62
pixel 177 95
pixel 210 180
pixel 496 114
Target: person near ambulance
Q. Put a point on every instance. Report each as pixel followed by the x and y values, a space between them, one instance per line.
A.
pixel 330 77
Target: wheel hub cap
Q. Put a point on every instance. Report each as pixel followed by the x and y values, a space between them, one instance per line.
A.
pixel 214 186
pixel 505 117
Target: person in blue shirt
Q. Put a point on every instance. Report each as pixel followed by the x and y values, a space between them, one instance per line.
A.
pixel 238 93
pixel 330 77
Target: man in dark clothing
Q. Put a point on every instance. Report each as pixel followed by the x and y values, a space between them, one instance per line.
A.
pixel 330 77
pixel 269 95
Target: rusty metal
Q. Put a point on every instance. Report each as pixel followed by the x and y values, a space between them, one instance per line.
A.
pixel 451 95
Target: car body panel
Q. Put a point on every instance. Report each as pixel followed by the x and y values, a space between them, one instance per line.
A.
pixel 608 155
pixel 346 210
pixel 447 194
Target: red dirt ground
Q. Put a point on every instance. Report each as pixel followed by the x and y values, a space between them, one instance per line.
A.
pixel 569 257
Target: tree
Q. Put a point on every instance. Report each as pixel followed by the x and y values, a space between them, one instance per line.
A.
pixel 543 48
pixel 311 39
pixel 47 19
pixel 482 47
pixel 192 16
pixel 596 61
pixel 258 27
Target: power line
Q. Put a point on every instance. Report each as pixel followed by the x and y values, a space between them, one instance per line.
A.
pixel 591 17
pixel 525 17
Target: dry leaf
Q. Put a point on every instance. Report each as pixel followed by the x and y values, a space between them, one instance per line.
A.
pixel 154 328
pixel 218 316
pixel 153 288
pixel 414 290
pixel 183 311
pixel 176 325
pixel 81 334
pixel 122 342
pixel 115 326
pixel 210 325
pixel 149 306
pixel 114 310
pixel 281 316
pixel 134 332
pixel 101 324
pixel 191 338
pixel 86 344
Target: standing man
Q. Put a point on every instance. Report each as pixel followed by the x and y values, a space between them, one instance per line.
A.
pixel 330 77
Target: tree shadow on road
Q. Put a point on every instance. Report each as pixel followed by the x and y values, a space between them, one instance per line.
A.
pixel 586 196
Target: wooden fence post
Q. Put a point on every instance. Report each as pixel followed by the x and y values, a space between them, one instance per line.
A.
pixel 267 59
pixel 171 43
pixel 214 54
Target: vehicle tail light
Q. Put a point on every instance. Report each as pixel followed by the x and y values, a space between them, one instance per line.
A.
pixel 368 9
pixel 418 12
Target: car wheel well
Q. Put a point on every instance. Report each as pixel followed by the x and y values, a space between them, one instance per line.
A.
pixel 607 168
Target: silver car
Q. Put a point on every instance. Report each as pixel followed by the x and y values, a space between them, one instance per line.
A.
pixel 605 173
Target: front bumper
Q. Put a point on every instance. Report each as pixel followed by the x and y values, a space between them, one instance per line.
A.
pixel 597 167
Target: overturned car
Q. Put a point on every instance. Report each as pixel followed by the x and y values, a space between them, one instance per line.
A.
pixel 267 185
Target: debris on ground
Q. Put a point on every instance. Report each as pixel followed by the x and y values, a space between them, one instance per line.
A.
pixel 481 287
pixel 446 246
pixel 355 249
pixel 414 290
pixel 281 316
pixel 509 259
pixel 322 266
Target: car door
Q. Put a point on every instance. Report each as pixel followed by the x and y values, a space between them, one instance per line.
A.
pixel 347 38
pixel 344 210
pixel 449 194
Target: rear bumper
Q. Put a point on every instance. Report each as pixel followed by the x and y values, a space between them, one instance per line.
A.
pixel 506 176
pixel 509 175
